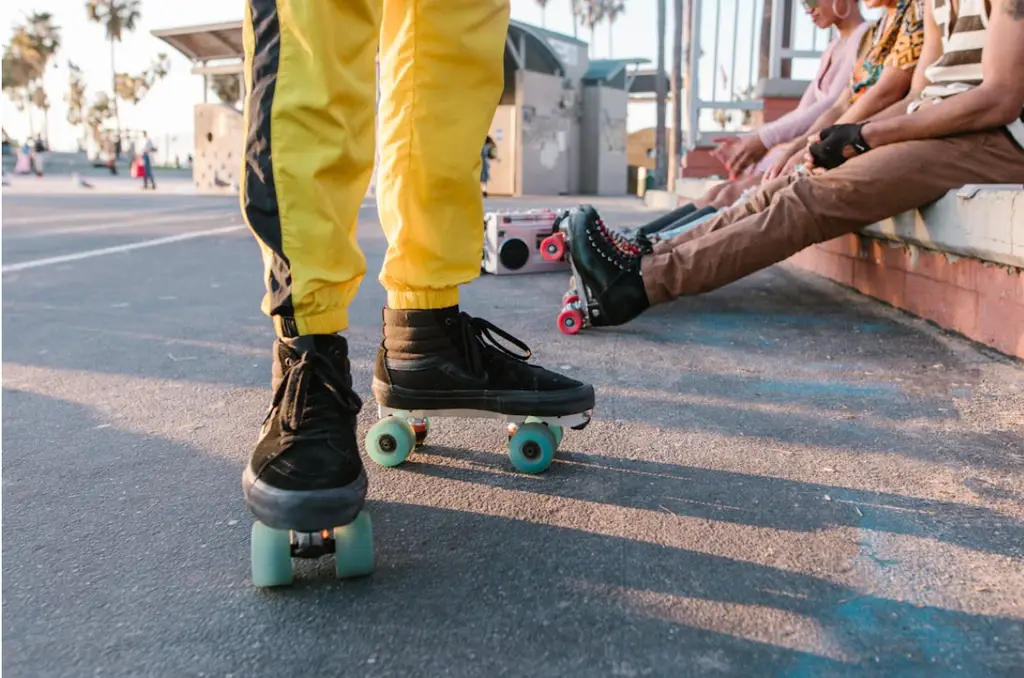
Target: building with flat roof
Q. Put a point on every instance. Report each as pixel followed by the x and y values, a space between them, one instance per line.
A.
pixel 560 126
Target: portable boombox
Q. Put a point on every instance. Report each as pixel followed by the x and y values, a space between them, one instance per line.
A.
pixel 512 242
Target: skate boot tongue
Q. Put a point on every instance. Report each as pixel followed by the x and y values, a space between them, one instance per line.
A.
pixel 315 388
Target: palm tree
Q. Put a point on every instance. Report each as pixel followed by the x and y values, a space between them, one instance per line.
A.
pixel 42 102
pixel 227 87
pixel 593 14
pixel 17 75
pixel 75 96
pixel 97 114
pixel 676 135
pixel 117 17
pixel 543 12
pixel 133 88
pixel 31 48
pixel 612 10
pixel 46 43
pixel 576 6
pixel 659 130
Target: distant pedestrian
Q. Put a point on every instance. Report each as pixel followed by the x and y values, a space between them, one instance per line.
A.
pixel 488 153
pixel 148 149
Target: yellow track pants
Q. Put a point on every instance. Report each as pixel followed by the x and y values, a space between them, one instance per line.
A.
pixel 310 81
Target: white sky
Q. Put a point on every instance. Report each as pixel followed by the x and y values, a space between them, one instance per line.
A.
pixel 166 112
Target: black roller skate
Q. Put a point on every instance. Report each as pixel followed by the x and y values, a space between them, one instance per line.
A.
pixel 445 363
pixel 305 482
pixel 606 288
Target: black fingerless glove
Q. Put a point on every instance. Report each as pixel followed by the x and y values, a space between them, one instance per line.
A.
pixel 829 152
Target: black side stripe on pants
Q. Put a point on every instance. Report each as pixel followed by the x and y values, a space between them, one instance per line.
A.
pixel 260 197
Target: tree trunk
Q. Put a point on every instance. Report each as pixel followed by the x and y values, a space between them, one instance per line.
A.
pixel 765 47
pixel 113 99
pixel 676 131
pixel 659 131
pixel 787 37
pixel 46 125
pixel 611 51
pixel 593 50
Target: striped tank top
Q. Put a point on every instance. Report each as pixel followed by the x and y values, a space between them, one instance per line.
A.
pixel 959 68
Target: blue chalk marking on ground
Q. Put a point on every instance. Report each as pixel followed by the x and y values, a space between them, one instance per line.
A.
pixel 905 638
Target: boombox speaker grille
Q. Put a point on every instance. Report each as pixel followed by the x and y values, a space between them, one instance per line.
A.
pixel 513 254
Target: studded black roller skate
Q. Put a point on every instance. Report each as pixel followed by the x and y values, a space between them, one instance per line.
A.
pixel 606 287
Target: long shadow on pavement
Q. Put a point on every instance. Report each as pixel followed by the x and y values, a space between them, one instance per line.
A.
pixel 741 498
pixel 121 559
pixel 976 449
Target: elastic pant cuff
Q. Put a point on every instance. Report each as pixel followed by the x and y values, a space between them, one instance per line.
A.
pixel 649 274
pixel 408 300
pixel 328 322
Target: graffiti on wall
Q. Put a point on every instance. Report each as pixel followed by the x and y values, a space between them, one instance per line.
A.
pixel 546 133
pixel 613 132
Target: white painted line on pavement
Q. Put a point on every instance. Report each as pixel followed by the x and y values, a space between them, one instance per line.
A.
pixel 59 214
pixel 88 254
pixel 127 223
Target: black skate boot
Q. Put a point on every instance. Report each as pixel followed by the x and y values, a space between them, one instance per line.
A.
pixel 608 288
pixel 306 473
pixel 447 360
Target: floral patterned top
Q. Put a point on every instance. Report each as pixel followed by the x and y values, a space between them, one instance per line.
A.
pixel 898 44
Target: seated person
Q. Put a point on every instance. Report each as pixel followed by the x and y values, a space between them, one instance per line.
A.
pixel 879 80
pixel 747 156
pixel 962 123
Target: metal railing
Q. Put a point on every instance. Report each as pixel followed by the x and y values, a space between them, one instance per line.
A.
pixel 724 61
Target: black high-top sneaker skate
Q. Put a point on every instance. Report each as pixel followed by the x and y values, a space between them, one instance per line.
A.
pixel 447 360
pixel 608 288
pixel 306 473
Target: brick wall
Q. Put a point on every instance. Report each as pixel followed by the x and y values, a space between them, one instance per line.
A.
pixel 983 302
pixel 699 163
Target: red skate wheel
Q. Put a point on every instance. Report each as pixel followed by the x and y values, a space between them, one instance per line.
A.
pixel 570 321
pixel 569 298
pixel 552 248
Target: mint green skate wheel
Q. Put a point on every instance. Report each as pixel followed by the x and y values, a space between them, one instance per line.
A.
pixel 390 441
pixel 557 430
pixel 532 448
pixel 271 555
pixel 353 548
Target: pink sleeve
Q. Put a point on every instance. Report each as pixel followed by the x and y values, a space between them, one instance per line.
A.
pixel 800 119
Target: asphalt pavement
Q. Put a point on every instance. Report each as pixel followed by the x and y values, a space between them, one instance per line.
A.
pixel 783 478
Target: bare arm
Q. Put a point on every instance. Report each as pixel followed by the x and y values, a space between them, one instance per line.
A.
pixel 930 53
pixel 997 101
pixel 892 87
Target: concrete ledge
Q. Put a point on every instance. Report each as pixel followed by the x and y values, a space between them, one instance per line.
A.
pixel 690 189
pixel 984 221
pixel 981 221
pixel 661 200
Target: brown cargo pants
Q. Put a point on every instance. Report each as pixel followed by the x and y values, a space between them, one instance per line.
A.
pixel 795 212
